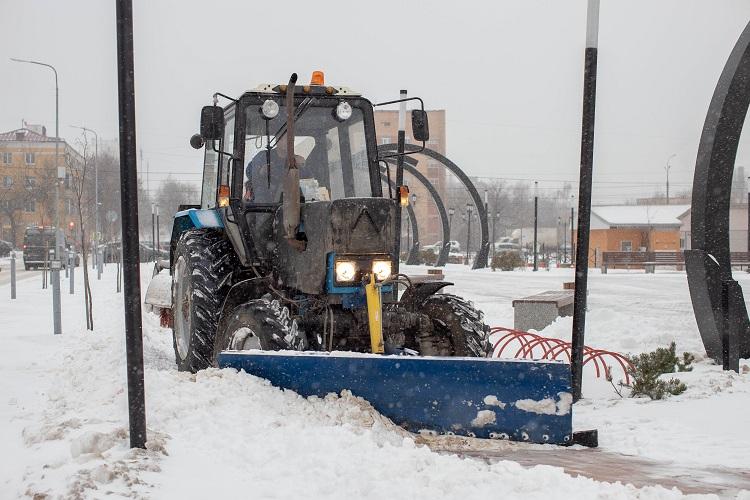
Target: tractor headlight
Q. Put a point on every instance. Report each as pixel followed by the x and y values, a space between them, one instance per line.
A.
pixel 346 270
pixel 381 269
pixel 343 111
pixel 270 109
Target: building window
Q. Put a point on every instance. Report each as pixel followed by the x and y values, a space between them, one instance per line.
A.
pixel 7 181
pixel 30 182
pixel 7 158
pixel 385 140
pixel 30 158
pixel 626 246
pixel 69 206
pixel 386 124
pixel 29 206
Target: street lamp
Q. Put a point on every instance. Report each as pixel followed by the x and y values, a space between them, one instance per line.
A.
pixel 468 230
pixel 57 321
pixel 667 168
pixel 451 211
pixel 97 225
pixel 536 220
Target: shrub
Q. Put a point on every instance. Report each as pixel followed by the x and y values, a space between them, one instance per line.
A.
pixel 428 257
pixel 649 366
pixel 507 261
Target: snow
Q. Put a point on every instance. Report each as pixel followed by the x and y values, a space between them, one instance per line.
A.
pixel 641 215
pixel 224 434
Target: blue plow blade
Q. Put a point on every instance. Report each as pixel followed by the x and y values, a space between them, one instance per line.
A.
pixel 518 400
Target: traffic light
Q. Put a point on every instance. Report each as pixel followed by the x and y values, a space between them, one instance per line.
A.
pixel 71 225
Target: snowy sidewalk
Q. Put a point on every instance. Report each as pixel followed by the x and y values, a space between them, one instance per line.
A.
pixel 223 434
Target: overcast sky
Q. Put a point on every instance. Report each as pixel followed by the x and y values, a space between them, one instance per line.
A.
pixel 508 74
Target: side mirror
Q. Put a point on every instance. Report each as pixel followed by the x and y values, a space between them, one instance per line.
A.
pixel 420 128
pixel 196 141
pixel 212 123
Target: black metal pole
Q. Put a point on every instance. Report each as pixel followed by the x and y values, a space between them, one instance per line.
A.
pixel 129 209
pixel 748 225
pixel 584 197
pixel 468 236
pixel 153 233
pixel 400 171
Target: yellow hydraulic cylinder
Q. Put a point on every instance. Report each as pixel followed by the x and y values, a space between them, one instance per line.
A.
pixel 375 315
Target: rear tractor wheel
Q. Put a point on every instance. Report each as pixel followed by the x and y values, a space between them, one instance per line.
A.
pixel 459 327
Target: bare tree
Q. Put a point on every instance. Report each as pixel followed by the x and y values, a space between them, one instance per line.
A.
pixel 13 195
pixel 80 173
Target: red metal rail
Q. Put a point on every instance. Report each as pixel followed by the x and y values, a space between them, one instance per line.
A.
pixel 534 346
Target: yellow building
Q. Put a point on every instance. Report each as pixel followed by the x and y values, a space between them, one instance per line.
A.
pixel 27 182
pixel 386 128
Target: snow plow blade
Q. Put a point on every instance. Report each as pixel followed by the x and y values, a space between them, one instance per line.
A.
pixel 486 398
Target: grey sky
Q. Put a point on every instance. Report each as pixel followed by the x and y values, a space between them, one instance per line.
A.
pixel 508 73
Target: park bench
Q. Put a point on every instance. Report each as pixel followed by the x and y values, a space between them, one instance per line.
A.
pixel 536 312
pixel 676 259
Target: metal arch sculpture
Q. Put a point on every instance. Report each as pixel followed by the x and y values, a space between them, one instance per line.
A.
pixel 414 231
pixel 480 261
pixel 708 264
pixel 410 165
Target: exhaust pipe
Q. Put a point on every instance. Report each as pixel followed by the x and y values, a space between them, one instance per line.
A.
pixel 291 204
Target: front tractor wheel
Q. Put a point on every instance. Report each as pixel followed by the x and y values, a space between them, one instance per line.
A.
pixel 204 261
pixel 258 324
pixel 459 326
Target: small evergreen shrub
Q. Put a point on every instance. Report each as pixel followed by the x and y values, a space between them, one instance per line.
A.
pixel 648 367
pixel 507 261
pixel 428 257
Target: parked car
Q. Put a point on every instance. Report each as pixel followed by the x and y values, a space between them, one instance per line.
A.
pixel 454 248
pixel 5 248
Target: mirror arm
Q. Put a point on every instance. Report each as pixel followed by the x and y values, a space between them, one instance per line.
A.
pixel 421 105
pixel 225 97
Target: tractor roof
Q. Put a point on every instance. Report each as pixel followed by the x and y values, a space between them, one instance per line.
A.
pixel 268 88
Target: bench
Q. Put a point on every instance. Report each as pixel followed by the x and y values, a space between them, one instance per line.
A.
pixel 536 312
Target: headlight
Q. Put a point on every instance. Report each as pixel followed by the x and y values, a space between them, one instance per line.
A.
pixel 381 269
pixel 270 109
pixel 346 270
pixel 343 111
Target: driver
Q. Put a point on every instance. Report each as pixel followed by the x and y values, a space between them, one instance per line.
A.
pixel 256 185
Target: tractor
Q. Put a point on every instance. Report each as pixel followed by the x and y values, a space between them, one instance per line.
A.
pixel 295 243
pixel 289 270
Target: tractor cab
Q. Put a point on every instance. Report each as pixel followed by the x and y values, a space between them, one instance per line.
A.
pixel 335 205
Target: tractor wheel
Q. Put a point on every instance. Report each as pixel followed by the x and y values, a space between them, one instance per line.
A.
pixel 259 324
pixel 204 261
pixel 457 321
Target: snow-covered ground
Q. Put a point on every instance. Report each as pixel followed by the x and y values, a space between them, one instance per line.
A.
pixel 223 434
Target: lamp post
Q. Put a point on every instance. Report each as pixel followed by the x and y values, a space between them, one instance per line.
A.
pixel 559 222
pixel 495 216
pixel 572 230
pixel 666 169
pixel 451 211
pixel 57 321
pixel 536 220
pixel 413 199
pixel 97 225
pixel 468 230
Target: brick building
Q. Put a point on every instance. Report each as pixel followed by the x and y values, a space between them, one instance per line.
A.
pixel 632 228
pixel 386 128
pixel 27 182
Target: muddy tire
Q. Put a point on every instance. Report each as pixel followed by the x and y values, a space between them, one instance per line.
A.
pixel 459 326
pixel 203 264
pixel 259 324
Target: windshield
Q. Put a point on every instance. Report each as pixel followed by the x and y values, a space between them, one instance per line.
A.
pixel 331 154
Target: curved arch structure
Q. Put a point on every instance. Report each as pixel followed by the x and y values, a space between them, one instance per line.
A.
pixel 708 262
pixel 480 261
pixel 410 165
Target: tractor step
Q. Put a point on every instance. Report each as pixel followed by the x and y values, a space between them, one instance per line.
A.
pixel 518 400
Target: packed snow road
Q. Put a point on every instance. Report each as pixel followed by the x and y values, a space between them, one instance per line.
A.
pixel 223 434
